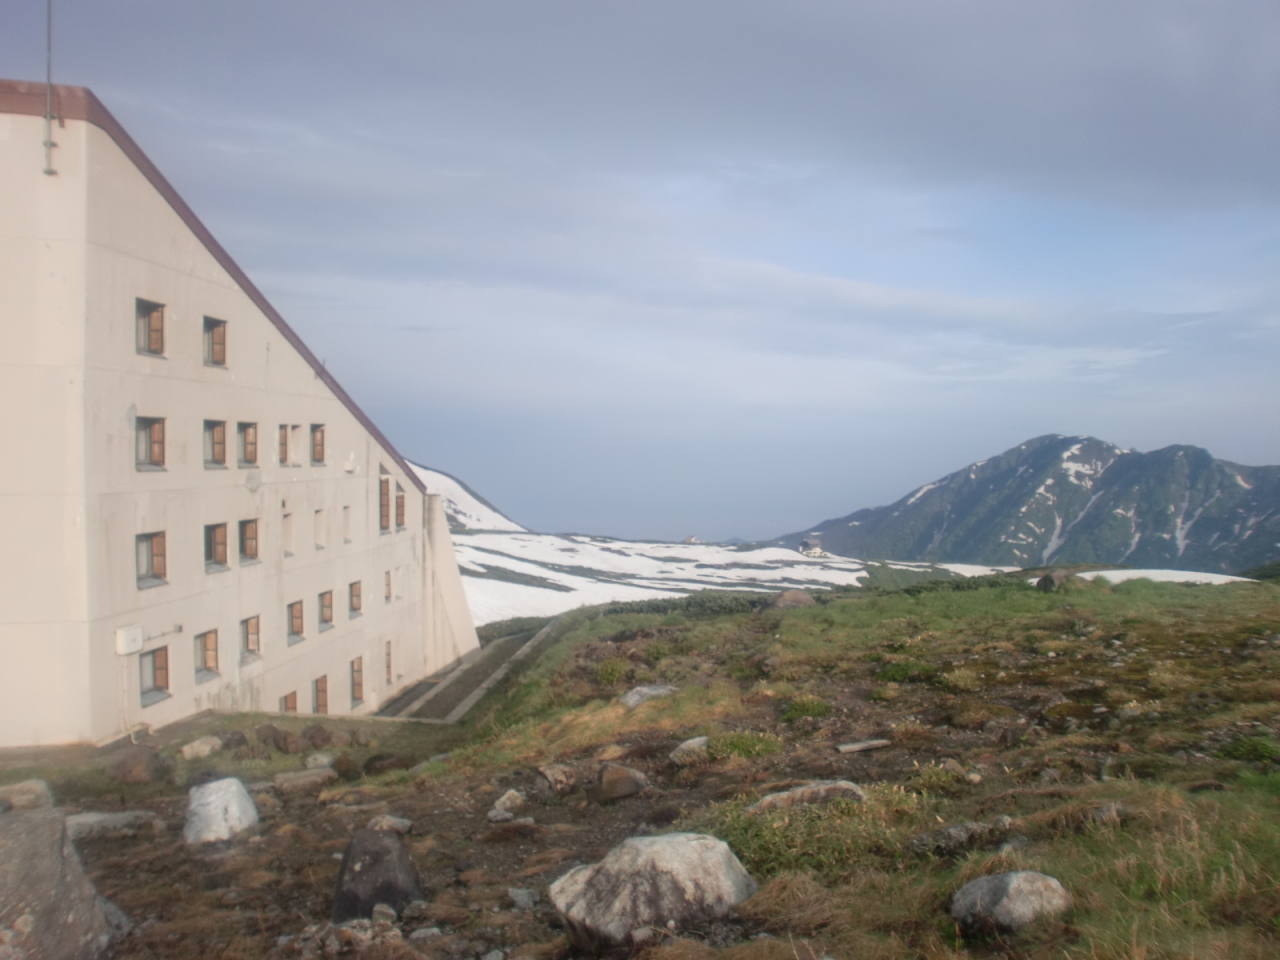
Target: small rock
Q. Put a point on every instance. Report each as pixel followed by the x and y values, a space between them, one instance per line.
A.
pixel 691 752
pixel 638 695
pixel 505 806
pixel 317 735
pixel 81 825
pixel 864 745
pixel 376 869
pixel 425 933
pixel 494 955
pixel 1007 902
pixel 317 761
pixel 819 791
pixel 234 740
pixel 383 913
pixel 384 821
pixel 953 841
pixel 303 781
pixel 346 768
pixel 27 795
pixel 416 910
pixel 973 777
pixel 218 811
pixel 201 748
pixel 953 766
pixel 521 898
pixel 556 779
pixel 292 743
pixel 617 781
pixel 267 734
pixel 670 881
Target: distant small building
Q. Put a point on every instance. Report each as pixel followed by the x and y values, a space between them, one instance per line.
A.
pixel 691 539
pixel 811 546
pixel 198 517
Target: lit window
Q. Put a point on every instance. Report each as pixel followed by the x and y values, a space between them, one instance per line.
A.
pixel 248 434
pixel 215 546
pixel 295 621
pixel 206 652
pixel 289 703
pixel 215 443
pixel 399 507
pixel 150 327
pixel 354 597
pixel 357 680
pixel 317 443
pixel 150 443
pixel 215 342
pixel 326 610
pixel 248 540
pixel 250 638
pixel 320 695
pixel 152 566
pixel 154 665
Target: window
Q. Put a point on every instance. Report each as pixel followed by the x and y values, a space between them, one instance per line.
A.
pixel 388 663
pixel 357 680
pixel 326 610
pixel 322 530
pixel 152 568
pixel 155 675
pixel 399 507
pixel 250 637
pixel 317 443
pixel 286 533
pixel 295 621
pixel 320 695
pixel 346 524
pixel 386 578
pixel 289 703
pixel 215 546
pixel 248 434
pixel 354 598
pixel 150 447
pixel 295 444
pixel 206 653
pixel 282 449
pixel 248 540
pixel 150 327
pixel 215 443
pixel 215 342
pixel 384 504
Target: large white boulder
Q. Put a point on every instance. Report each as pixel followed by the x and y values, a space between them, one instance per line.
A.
pixel 1009 901
pixel 677 878
pixel 218 811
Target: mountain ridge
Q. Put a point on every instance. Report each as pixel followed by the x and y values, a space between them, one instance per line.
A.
pixel 1077 499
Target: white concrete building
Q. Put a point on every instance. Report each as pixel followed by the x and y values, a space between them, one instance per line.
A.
pixel 195 514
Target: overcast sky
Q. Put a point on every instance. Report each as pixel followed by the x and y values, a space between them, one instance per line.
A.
pixel 652 268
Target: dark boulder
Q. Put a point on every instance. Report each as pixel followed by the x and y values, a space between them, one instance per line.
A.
pixel 318 736
pixel 376 868
pixel 234 740
pixel 139 764
pixel 386 762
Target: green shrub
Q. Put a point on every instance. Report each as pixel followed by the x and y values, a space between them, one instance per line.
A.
pixel 806 705
pixel 906 671
pixel 612 672
pixel 1252 750
pixel 745 744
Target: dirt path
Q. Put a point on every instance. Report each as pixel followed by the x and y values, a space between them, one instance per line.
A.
pixel 477 672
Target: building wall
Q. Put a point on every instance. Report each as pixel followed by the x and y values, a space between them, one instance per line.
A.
pixel 105 236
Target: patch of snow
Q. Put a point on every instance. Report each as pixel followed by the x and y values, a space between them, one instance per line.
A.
pixel 1243 482
pixel 461 505
pixel 1055 541
pixel 922 491
pixel 1160 576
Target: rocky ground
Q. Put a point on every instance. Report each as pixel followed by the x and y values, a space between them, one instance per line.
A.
pixel 1088 735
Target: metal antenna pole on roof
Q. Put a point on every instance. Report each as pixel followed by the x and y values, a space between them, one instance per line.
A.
pixel 48 90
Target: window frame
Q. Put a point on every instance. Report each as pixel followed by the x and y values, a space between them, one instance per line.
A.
pixel 289 702
pixel 400 507
pixel 246 443
pixel 325 602
pixel 282 445
pixel 215 342
pixel 149 329
pixel 215 547
pixel 295 617
pixel 320 694
pixel 251 636
pixel 384 504
pixel 155 570
pixel 206 650
pixel 357 681
pixel 317 445
pixel 250 546
pixel 154 680
pixel 148 440
pixel 215 444
pixel 355 598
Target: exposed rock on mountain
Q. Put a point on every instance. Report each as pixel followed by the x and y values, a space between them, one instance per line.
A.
pixel 1061 499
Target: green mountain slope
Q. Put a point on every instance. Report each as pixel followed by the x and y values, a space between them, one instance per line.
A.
pixel 1061 499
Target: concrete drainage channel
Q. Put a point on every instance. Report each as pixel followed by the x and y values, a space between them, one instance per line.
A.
pixel 452 695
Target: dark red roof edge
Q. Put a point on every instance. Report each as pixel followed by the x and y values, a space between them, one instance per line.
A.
pixel 79 103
